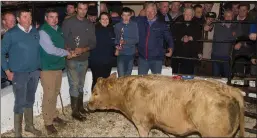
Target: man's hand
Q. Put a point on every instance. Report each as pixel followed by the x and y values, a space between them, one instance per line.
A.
pixel 9 75
pixel 122 42
pixel 200 56
pixel 71 54
pixel 238 46
pixel 207 28
pixel 169 54
pixel 185 39
pixel 116 52
pixel 190 38
pixel 79 51
pixel 252 36
pixel 254 61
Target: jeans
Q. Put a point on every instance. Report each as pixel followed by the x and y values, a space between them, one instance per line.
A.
pixel 154 65
pixel 76 71
pixel 183 66
pixel 24 88
pixel 220 68
pixel 125 65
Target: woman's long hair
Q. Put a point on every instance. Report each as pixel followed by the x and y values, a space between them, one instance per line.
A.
pixel 98 24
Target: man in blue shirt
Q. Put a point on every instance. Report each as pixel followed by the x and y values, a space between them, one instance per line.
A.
pixel 22 44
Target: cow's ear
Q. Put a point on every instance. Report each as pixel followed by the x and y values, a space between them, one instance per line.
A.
pixel 113 75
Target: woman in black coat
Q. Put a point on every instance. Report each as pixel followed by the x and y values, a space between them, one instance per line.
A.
pixel 102 56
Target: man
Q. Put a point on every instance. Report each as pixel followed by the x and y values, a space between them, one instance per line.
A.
pixel 79 35
pixel 253 12
pixel 207 7
pixel 235 8
pixel 8 21
pixel 126 33
pixel 199 18
pixel 253 36
pixel 221 51
pixel 103 7
pixel 92 14
pixel 185 46
pixel 70 10
pixel 163 12
pixel 174 10
pixel 52 62
pixel 22 44
pixel 152 33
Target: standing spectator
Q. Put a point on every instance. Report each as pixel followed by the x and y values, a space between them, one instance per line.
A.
pixel 185 46
pixel 221 51
pixel 253 12
pixel 103 7
pixel 174 10
pixel 92 14
pixel 199 18
pixel 8 21
pixel 70 10
pixel 102 56
pixel 22 68
pixel 235 8
pixel 242 49
pixel 152 33
pixel 253 36
pixel 142 12
pixel 163 12
pixel 80 29
pixel 128 39
pixel 208 7
pixel 52 62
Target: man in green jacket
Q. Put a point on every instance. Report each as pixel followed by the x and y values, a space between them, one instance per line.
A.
pixel 52 56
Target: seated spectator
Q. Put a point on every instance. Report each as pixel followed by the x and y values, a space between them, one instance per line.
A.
pixel 253 12
pixel 103 7
pixel 207 7
pixel 186 34
pixel 70 10
pixel 162 13
pixel 235 8
pixel 115 17
pixel 92 14
pixel 221 51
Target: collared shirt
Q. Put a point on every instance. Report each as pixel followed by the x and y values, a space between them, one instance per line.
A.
pixel 239 18
pixel 23 29
pixel 166 17
pixel 47 44
pixel 151 21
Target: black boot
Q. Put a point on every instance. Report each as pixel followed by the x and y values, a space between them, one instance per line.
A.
pixel 80 104
pixel 29 127
pixel 75 110
pixel 18 125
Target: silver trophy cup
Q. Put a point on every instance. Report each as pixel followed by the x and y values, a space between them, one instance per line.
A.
pixel 77 40
pixel 121 38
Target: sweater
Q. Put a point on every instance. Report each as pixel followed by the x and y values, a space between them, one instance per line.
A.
pixel 48 61
pixel 104 51
pixel 23 50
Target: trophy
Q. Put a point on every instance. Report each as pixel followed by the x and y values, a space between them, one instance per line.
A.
pixel 77 39
pixel 121 38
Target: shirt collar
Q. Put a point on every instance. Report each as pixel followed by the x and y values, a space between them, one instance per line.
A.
pixel 23 29
pixel 238 18
pixel 153 20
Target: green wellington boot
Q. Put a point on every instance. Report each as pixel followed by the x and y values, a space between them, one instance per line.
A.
pixel 18 125
pixel 29 127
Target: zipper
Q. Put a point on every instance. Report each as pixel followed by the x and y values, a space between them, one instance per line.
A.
pixel 146 43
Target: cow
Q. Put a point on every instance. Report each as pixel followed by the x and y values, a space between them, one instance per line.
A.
pixel 178 107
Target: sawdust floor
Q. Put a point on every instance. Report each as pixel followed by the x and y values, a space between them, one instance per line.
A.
pixel 108 124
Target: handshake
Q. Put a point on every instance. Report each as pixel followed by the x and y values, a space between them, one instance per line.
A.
pixel 75 53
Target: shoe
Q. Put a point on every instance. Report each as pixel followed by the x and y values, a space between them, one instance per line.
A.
pixel 60 122
pixel 80 104
pixel 18 125
pixel 51 130
pixel 29 127
pixel 75 110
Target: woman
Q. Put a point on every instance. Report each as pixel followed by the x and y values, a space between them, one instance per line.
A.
pixel 103 55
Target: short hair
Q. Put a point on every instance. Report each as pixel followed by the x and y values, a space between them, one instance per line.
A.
pixel 82 2
pixel 151 5
pixel 21 10
pixel 5 13
pixel 197 6
pixel 244 4
pixel 126 9
pixel 98 24
pixel 72 4
pixel 49 10
pixel 191 9
pixel 228 11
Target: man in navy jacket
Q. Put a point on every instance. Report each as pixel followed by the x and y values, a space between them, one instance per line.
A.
pixel 152 33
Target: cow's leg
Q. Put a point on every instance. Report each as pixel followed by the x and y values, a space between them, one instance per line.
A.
pixel 143 131
pixel 142 125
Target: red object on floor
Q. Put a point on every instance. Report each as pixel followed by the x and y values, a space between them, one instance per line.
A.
pixel 177 77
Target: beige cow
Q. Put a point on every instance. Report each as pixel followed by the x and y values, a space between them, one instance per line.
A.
pixel 179 107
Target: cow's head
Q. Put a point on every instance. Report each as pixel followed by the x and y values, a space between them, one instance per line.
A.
pixel 102 94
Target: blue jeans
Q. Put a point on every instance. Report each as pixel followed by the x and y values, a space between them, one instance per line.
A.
pixel 24 88
pixel 220 68
pixel 76 71
pixel 125 65
pixel 154 65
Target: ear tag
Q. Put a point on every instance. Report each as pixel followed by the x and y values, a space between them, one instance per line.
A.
pixel 109 86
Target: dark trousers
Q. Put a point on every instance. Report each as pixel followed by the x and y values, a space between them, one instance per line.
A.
pixel 220 68
pixel 24 88
pixel 100 70
pixel 182 66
